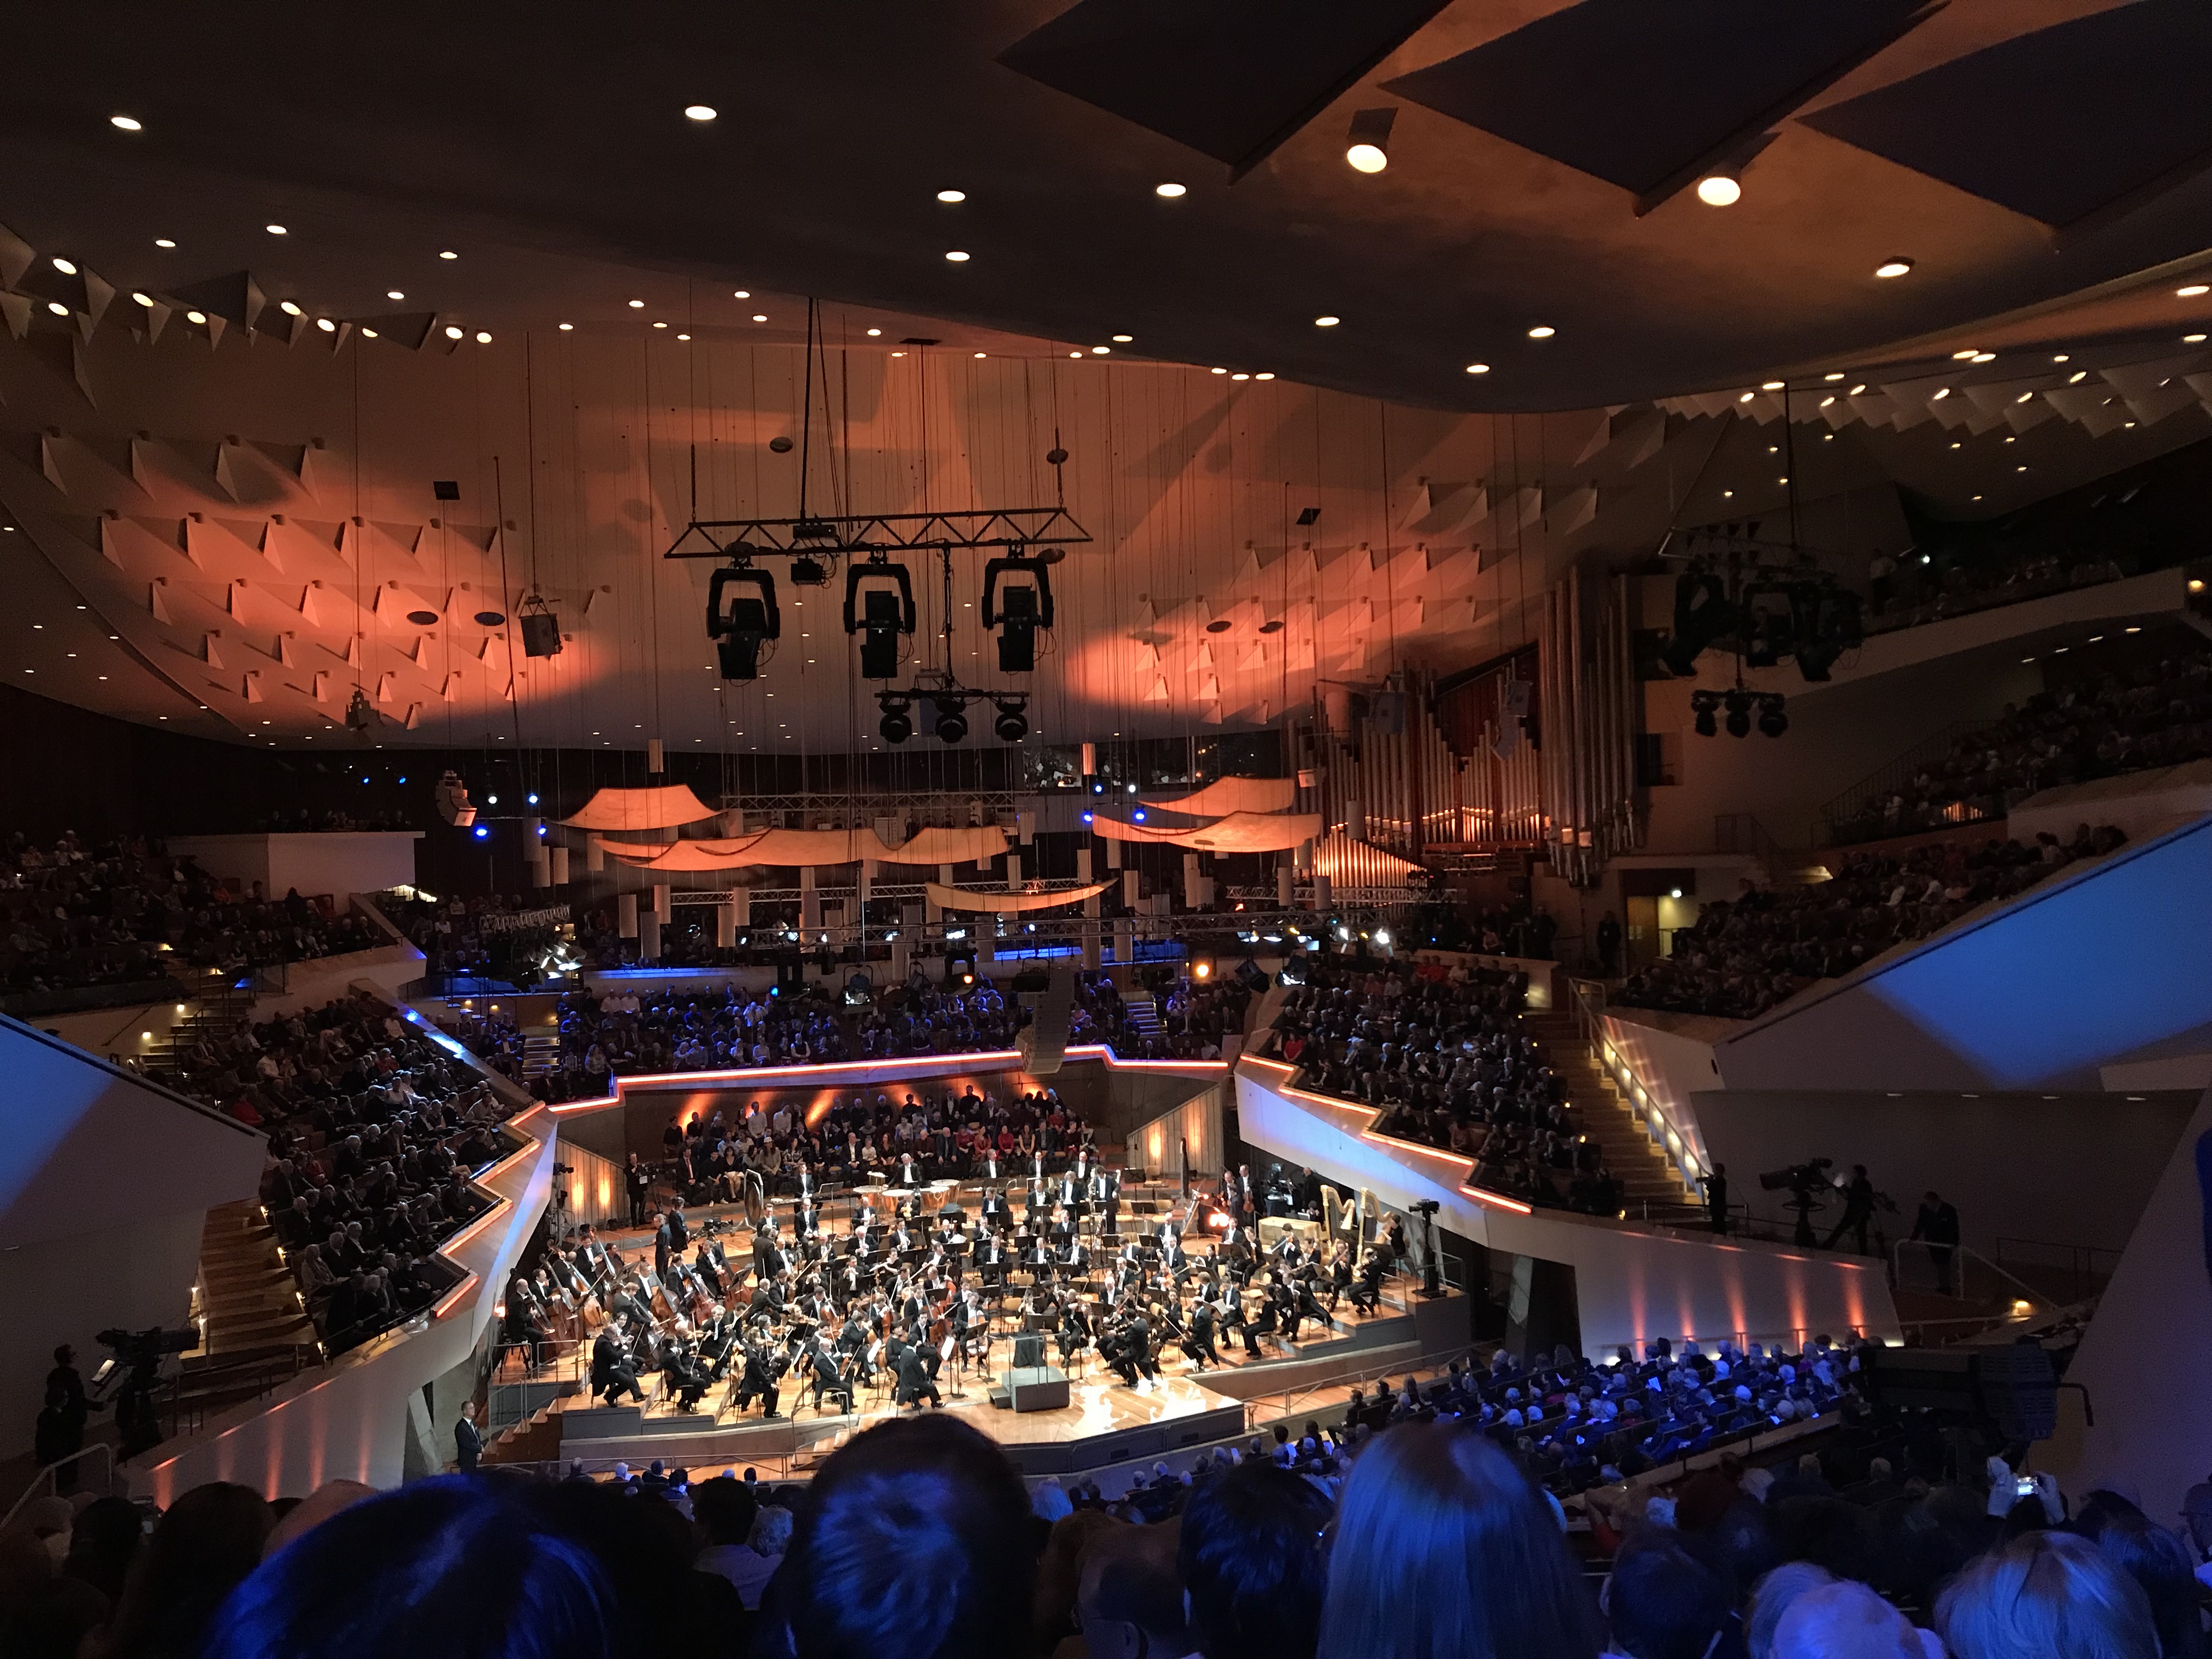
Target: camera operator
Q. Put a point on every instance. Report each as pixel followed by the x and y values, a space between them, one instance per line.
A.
pixel 61 1423
pixel 1859 1198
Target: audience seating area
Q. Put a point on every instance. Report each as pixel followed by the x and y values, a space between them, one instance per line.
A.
pixel 373 1134
pixel 1428 1526
pixel 2153 715
pixel 455 940
pixel 79 915
pixel 1743 956
pixel 1439 1053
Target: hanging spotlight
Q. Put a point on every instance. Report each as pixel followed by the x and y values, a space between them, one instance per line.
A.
pixel 743 624
pixel 1012 723
pixel 1368 148
pixel 1702 705
pixel 1739 712
pixel 1026 609
pixel 897 723
pixel 951 724
pixel 1772 722
pixel 1703 613
pixel 885 616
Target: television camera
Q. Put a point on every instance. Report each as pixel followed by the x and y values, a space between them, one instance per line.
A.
pixel 1809 1186
pixel 132 1372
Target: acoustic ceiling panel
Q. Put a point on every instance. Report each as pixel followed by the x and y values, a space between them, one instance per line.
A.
pixel 1639 94
pixel 1232 79
pixel 2055 124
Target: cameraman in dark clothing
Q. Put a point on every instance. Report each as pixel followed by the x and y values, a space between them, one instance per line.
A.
pixel 1859 1199
pixel 1937 1226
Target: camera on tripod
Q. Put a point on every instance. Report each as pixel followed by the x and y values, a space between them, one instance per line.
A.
pixel 564 1169
pixel 1807 1180
pixel 133 1370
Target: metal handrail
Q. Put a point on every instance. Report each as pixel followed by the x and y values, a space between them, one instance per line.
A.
pixel 46 1475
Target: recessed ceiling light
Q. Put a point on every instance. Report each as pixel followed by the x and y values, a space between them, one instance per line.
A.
pixel 141 296
pixel 448 254
pixel 2077 377
pixel 1121 339
pixel 368 334
pixel 1837 374
pixel 1264 374
pixel 196 316
pixel 2191 291
pixel 1170 191
pixel 873 332
pixel 1985 357
pixel 453 333
pixel 1941 392
pixel 660 325
pixel 898 354
pixel 1745 398
pixel 57 307
pixel 2192 339
pixel 978 354
pixel 1963 356
pixel 68 268
pixel 637 305
pixel 1240 375
pixel 2062 357
pixel 288 307
pixel 1096 351
pixel 957 256
pixel 394 294
pixel 1542 331
pixel 1327 322
pixel 568 328
pixel 743 294
pixel 1719 189
pixel 276 230
pixel 760 317
pixel 1075 354
pixel 699 112
pixel 1857 389
pixel 951 196
pixel 1889 268
pixel 163 241
pixel 483 338
pixel 1770 385
pixel 326 325
pixel 1825 401
pixel 127 123
pixel 1220 371
pixel 1478 368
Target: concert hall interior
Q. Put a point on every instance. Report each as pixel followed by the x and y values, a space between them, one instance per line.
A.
pixel 1486 839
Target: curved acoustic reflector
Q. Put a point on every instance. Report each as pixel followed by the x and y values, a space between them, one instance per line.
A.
pixel 1227 795
pixel 641 809
pixel 1006 904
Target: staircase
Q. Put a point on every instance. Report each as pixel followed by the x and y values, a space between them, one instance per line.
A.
pixel 216 1016
pixel 250 1308
pixel 1649 1183
pixel 1144 1015
pixel 535 1439
pixel 541 1053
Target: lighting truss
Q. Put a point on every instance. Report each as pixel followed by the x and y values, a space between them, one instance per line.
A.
pixel 877 533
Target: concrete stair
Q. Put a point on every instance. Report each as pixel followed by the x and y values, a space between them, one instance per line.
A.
pixel 536 1439
pixel 1144 1015
pixel 541 1053
pixel 1647 1178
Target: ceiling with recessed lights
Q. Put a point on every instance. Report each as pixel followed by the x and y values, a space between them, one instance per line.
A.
pixel 248 324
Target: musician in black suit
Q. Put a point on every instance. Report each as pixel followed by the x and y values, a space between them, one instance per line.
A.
pixel 1368 1296
pixel 1130 1352
pixel 1198 1334
pixel 763 1373
pixel 914 1378
pixel 829 1378
pixel 610 1367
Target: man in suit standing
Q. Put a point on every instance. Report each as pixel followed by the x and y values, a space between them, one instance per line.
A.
pixel 1937 1226
pixel 468 1443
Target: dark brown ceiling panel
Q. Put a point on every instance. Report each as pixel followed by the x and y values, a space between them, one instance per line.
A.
pixel 1232 79
pixel 2059 125
pixel 1639 94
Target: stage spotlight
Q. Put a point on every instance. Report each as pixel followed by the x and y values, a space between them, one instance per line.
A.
pixel 1738 714
pixel 1021 611
pixel 889 612
pixel 1702 705
pixel 743 624
pixel 951 724
pixel 1013 724
pixel 807 571
pixel 897 723
pixel 1772 722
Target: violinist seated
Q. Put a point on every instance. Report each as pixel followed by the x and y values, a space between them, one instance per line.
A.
pixel 829 1378
pixel 682 1376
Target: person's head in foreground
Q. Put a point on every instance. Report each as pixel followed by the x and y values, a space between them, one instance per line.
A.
pixel 915 1543
pixel 1252 1563
pixel 1444 1551
pixel 2046 1595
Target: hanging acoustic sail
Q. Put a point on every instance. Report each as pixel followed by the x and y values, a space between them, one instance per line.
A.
pixel 661 808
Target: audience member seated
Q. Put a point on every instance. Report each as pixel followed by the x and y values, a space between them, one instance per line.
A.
pixel 1742 957
pixel 504 936
pixel 373 1134
pixel 623 1032
pixel 2131 722
pixel 125 912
